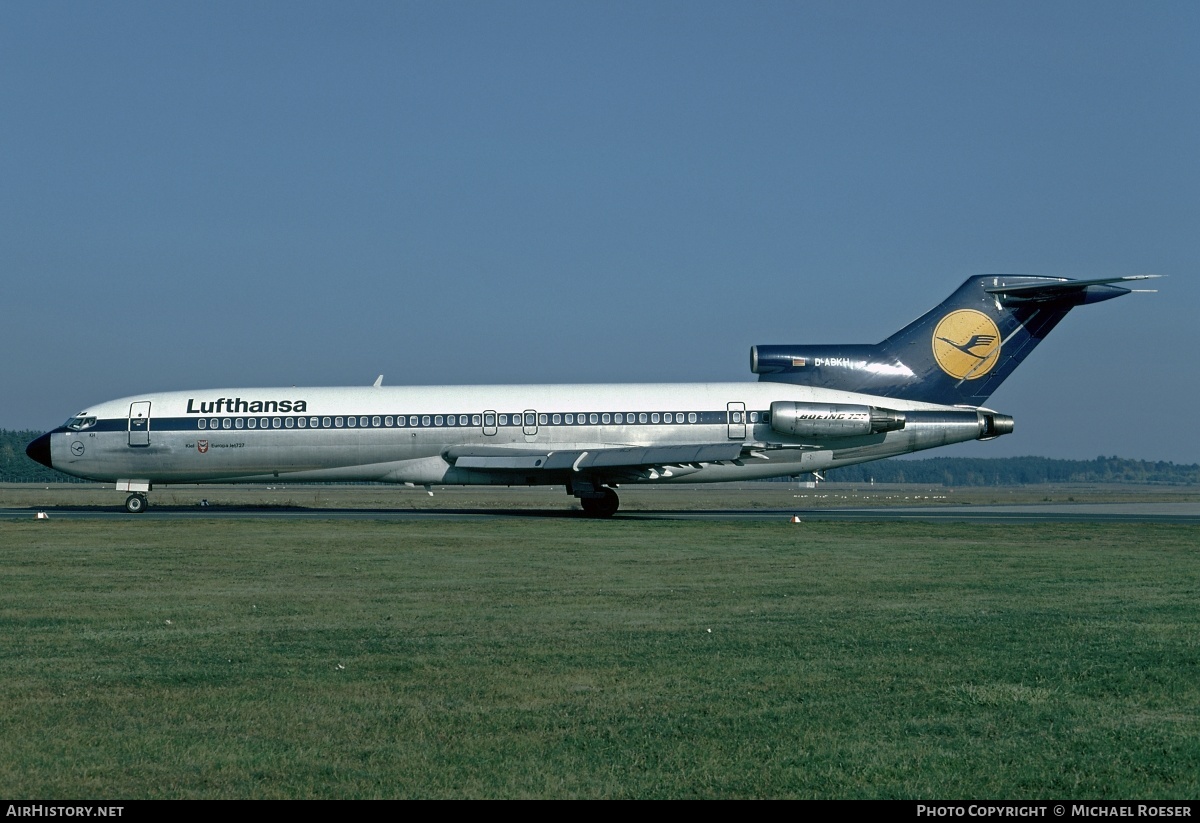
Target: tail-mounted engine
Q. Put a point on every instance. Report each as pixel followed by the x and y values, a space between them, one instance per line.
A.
pixel 824 420
pixel 832 419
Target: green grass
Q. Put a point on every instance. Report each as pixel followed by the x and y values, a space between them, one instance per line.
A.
pixel 574 658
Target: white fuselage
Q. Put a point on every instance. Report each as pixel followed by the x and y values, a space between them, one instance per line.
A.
pixel 412 434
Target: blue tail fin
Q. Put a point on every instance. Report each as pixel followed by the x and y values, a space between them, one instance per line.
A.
pixel 956 354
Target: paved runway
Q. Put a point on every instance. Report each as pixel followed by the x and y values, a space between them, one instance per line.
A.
pixel 1174 513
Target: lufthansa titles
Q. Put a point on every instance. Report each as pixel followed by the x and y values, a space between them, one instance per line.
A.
pixel 236 405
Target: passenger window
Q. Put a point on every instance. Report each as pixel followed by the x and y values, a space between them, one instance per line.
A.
pixel 202 423
pixel 264 422
pixel 214 423
pixel 475 419
pixel 289 422
pixel 275 422
pixel 226 423
pixel 654 417
pixel 737 417
pixel 642 417
pixel 667 418
pixel 450 420
pixel 753 417
pixel 504 420
pixel 606 418
pixel 314 422
pixel 301 422
pixel 570 418
pixel 489 420
pixel 425 420
pixel 412 421
pixel 437 420
pixel 618 418
pixel 691 417
pixel 462 420
pixel 325 422
pixel 542 420
pixel 593 418
pixel 374 421
pixel 252 423
pixel 557 419
pixel 351 422
pixel 337 421
pixel 239 423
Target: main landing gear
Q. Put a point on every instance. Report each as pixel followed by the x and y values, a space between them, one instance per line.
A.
pixel 135 503
pixel 597 501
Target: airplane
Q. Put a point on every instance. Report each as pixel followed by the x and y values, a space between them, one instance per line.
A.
pixel 814 408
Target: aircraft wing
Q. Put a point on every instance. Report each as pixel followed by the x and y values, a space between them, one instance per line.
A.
pixel 628 458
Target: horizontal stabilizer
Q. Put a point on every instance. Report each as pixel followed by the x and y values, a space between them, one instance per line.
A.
pixel 1077 291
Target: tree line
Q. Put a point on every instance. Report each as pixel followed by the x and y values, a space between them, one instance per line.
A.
pixel 1017 471
pixel 16 467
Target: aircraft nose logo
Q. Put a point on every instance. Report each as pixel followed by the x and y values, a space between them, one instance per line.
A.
pixel 966 344
pixel 202 446
pixel 77 448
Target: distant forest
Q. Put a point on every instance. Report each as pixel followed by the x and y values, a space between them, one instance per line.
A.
pixel 1016 471
pixel 16 467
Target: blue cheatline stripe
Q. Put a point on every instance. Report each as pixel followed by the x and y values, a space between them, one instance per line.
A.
pixel 474 420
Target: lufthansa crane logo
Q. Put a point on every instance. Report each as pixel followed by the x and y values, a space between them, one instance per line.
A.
pixel 966 344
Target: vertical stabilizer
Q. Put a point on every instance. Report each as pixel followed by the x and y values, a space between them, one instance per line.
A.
pixel 956 354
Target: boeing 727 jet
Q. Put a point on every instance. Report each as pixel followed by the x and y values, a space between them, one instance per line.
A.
pixel 813 408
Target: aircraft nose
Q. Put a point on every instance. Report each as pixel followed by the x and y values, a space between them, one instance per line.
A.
pixel 39 450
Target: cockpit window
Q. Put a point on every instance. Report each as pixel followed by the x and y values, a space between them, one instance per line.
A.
pixel 80 423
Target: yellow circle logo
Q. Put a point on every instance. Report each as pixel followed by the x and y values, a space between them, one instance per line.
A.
pixel 966 344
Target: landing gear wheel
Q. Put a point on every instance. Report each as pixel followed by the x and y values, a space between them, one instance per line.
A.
pixel 605 506
pixel 135 503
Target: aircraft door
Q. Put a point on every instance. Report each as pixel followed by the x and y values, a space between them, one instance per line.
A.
pixel 139 423
pixel 530 423
pixel 489 422
pixel 735 414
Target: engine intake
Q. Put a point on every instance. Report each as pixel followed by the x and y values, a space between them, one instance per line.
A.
pixel 832 419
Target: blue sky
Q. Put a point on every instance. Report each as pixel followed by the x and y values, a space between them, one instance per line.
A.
pixel 231 194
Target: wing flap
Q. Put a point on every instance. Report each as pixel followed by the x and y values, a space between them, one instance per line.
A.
pixel 609 457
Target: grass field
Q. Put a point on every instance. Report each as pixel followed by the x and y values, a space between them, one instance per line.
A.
pixel 686 497
pixel 576 658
